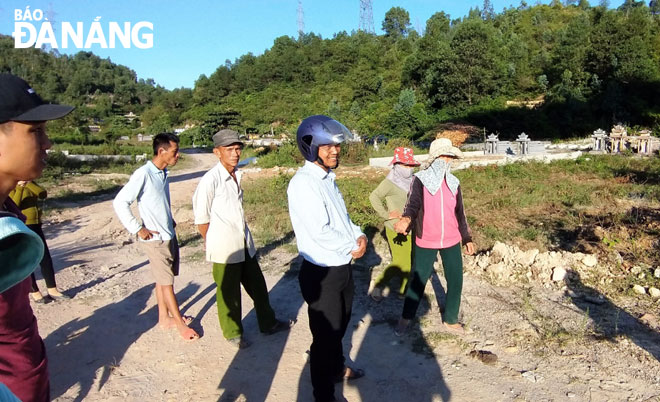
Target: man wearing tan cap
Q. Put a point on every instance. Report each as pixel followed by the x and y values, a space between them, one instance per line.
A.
pixel 219 216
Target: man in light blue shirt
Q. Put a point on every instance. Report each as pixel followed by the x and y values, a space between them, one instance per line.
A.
pixel 149 185
pixel 328 241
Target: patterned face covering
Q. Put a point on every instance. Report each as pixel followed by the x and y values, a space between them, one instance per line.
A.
pixel 401 175
pixel 433 176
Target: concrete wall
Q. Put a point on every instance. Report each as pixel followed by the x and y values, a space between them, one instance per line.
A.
pixel 477 158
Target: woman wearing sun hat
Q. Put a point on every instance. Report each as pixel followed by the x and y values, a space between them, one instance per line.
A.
pixel 392 192
pixel 435 210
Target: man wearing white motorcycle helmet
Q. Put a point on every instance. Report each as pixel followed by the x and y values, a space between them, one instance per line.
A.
pixel 327 240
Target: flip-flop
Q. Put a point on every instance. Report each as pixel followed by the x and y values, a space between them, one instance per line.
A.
pixel 355 374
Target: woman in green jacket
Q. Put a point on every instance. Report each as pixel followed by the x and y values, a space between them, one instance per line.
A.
pixel 27 195
pixel 392 192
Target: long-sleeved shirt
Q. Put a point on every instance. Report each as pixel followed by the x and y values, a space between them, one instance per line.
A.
pixel 150 187
pixel 26 197
pixel 23 362
pixel 394 197
pixel 218 201
pixel 446 216
pixel 324 232
pixel 439 221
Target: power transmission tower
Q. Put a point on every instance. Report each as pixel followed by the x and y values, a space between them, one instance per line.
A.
pixel 50 17
pixel 366 17
pixel 301 19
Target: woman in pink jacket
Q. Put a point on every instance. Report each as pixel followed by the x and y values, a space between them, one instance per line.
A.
pixel 434 210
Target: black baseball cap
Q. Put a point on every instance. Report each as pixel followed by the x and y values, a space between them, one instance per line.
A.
pixel 19 102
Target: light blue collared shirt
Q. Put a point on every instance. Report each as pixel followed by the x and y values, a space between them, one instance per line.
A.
pixel 324 232
pixel 150 187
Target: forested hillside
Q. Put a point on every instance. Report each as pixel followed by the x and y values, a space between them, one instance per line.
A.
pixel 587 66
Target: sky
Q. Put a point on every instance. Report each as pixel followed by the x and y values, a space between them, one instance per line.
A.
pixel 194 37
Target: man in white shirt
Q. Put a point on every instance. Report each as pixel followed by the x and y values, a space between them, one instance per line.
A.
pixel 327 240
pixel 149 185
pixel 219 216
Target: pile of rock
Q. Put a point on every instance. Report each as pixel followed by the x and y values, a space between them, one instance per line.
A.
pixel 640 272
pixel 506 264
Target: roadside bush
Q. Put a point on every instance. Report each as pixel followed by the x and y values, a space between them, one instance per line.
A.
pixel 285 155
pixel 354 153
pixel 59 165
pixel 105 149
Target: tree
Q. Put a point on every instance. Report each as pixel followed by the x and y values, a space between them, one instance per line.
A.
pixel 629 5
pixel 571 52
pixel 116 127
pixel 396 23
pixel 654 6
pixel 437 25
pixel 487 12
pixel 471 70
pixel 218 120
pixel 408 117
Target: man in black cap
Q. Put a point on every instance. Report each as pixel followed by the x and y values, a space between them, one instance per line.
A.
pixel 23 145
pixel 218 208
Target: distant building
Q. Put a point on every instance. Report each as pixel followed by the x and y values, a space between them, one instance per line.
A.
pixel 131 116
pixel 142 137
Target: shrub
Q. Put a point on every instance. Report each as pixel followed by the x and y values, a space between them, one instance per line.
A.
pixel 353 153
pixel 285 155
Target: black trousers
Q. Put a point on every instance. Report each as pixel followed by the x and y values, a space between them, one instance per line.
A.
pixel 47 270
pixel 328 292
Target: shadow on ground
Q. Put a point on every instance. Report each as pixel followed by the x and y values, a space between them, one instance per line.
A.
pixel 610 320
pixel 91 347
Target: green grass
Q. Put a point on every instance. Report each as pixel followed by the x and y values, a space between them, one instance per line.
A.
pixel 542 204
pixel 59 166
pixel 536 205
pixel 286 155
pixel 266 208
pixel 105 149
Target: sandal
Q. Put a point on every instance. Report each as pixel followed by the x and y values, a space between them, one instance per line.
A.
pixel 457 329
pixel 377 294
pixel 401 327
pixel 354 374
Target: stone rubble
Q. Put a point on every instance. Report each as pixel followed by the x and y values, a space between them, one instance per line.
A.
pixel 639 289
pixel 654 292
pixel 506 264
